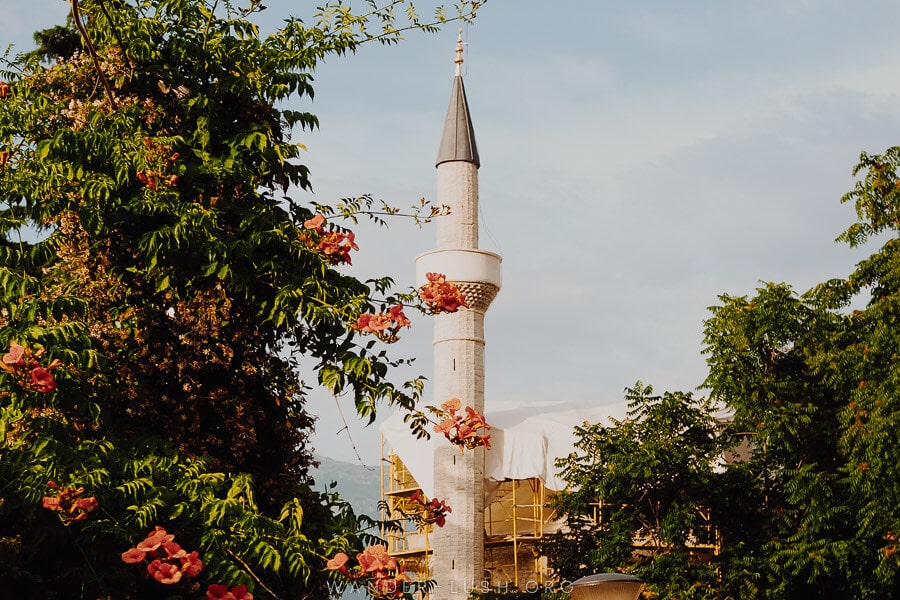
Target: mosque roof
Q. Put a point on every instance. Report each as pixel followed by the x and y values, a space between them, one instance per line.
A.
pixel 526 440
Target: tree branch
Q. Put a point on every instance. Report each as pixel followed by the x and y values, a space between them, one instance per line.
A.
pixel 76 16
pixel 250 572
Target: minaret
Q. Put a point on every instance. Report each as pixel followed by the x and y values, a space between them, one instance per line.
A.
pixel 458 555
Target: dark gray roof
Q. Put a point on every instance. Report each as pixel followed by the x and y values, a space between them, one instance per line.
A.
pixel 458 141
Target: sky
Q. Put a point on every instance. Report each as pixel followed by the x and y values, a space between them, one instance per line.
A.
pixel 637 161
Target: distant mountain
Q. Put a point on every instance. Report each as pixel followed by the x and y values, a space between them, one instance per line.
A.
pixel 359 485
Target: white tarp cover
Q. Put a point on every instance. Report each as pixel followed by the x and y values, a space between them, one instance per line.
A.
pixel 526 440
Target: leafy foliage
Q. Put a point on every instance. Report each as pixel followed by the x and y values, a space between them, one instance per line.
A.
pixel 153 252
pixel 639 495
pixel 804 503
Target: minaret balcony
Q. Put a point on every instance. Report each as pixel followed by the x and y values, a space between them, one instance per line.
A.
pixel 476 272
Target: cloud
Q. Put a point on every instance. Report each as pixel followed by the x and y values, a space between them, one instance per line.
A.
pixel 27 17
pixel 649 26
pixel 636 163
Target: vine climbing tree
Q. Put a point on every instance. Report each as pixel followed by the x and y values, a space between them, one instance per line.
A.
pixel 162 280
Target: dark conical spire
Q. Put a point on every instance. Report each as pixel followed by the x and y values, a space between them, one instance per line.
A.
pixel 458 140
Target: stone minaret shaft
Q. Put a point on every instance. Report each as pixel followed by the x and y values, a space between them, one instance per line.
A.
pixel 458 555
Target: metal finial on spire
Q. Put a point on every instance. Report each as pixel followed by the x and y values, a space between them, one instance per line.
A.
pixel 458 140
pixel 459 52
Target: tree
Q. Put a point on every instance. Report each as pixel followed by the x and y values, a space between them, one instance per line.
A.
pixel 639 494
pixel 159 287
pixel 815 382
pixel 765 367
pixel 862 362
pixel 811 386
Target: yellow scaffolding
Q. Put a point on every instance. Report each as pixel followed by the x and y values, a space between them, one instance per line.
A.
pixel 411 545
pixel 514 521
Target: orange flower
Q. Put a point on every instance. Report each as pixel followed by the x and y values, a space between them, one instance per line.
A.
pixel 363 321
pixel 4 157
pixel 86 504
pixel 133 555
pixel 445 426
pixel 376 558
pixel 239 592
pixel 315 223
pixel 22 363
pixel 451 405
pixel 43 380
pixel 173 566
pixel 475 419
pixel 384 325
pixel 14 356
pixel 336 246
pixel 4 89
pixel 396 314
pixel 164 572
pixel 463 431
pixel 191 564
pixel 147 179
pixel 438 510
pixel 440 295
pixel 217 591
pixel 173 550
pixel 429 511
pixel 452 301
pixel 371 323
pixel 338 562
pixel 155 539
pixel 66 501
